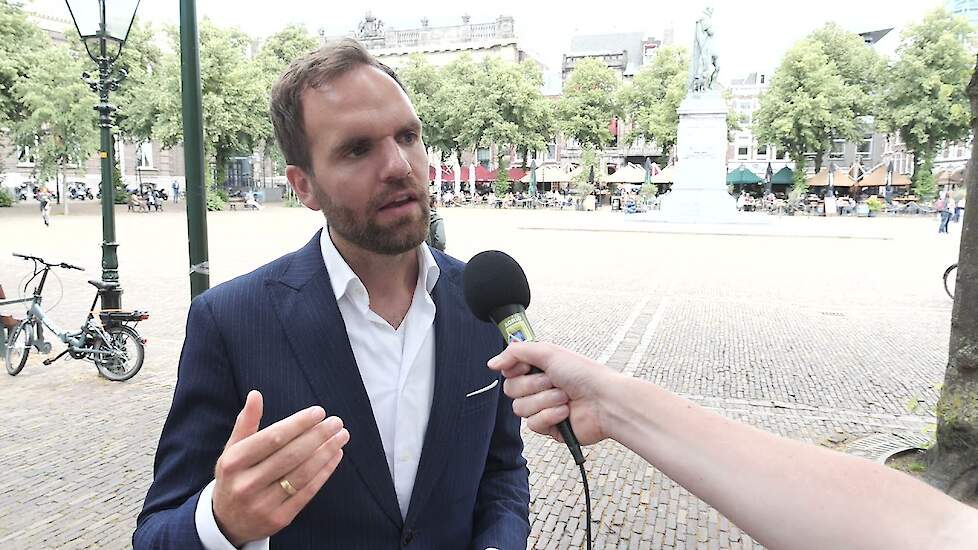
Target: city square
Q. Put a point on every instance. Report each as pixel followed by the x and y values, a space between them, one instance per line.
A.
pixel 829 331
pixel 746 236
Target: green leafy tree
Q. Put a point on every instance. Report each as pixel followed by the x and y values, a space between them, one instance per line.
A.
pixel 589 162
pixel 588 104
pixel 467 104
pixel 424 83
pixel 461 118
pixel 138 96
pixel 59 122
pixel 651 101
pixel 234 100
pixel 20 43
pixel 828 86
pixel 502 185
pixel 860 67
pixel 805 107
pixel 520 118
pixel 925 96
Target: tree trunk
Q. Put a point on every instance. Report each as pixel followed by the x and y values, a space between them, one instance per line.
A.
pixel 220 168
pixel 953 461
pixel 60 176
pixel 917 164
pixel 818 161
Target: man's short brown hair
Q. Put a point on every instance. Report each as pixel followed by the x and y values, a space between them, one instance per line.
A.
pixel 312 71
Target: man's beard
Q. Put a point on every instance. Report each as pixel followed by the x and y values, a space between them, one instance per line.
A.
pixel 400 236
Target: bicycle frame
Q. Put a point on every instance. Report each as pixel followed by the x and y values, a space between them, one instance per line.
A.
pixel 74 340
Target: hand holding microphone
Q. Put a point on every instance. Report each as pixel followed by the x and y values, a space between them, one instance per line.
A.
pixel 496 289
pixel 565 386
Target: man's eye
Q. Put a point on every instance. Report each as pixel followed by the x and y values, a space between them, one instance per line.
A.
pixel 358 151
pixel 410 137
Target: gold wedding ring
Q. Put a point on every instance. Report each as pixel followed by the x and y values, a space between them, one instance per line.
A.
pixel 287 487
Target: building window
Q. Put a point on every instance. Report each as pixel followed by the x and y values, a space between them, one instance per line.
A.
pixel 552 151
pixel 780 154
pixel 838 149
pixel 483 157
pixel 865 148
pixel 762 152
pixel 743 152
pixel 144 156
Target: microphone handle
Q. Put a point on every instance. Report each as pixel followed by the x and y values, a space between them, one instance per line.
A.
pixel 515 327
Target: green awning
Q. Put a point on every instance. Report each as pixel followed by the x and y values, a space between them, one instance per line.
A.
pixel 742 176
pixel 784 176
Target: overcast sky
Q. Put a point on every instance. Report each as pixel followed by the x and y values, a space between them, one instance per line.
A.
pixel 751 35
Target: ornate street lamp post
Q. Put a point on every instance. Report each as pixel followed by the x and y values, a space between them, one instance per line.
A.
pixel 103 26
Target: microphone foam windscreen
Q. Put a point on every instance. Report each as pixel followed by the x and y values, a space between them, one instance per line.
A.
pixel 493 279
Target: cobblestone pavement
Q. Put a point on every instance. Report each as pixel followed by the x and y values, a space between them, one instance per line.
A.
pixel 834 330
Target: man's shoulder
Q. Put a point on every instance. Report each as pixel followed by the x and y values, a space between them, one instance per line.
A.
pixel 450 267
pixel 244 288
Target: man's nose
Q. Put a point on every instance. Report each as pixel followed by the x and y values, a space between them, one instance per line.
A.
pixel 395 159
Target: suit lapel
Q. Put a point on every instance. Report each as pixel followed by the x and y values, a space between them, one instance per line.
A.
pixel 306 307
pixel 451 328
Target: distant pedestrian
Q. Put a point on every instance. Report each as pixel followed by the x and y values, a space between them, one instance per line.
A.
pixel 959 210
pixel 176 192
pixel 436 228
pixel 44 197
pixel 942 206
pixel 6 321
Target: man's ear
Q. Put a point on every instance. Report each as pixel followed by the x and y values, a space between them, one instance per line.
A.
pixel 302 183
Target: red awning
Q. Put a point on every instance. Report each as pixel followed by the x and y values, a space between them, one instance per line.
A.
pixel 446 173
pixel 514 174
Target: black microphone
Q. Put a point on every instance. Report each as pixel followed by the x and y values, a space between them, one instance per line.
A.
pixel 496 290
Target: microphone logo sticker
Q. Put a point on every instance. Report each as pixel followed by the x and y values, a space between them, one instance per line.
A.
pixel 515 328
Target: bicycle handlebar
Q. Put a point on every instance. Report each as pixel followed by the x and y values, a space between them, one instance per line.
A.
pixel 48 264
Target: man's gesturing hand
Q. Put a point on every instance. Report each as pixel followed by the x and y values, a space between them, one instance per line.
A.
pixel 251 501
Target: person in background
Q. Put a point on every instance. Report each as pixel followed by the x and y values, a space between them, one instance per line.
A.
pixel 44 197
pixel 943 207
pixel 7 321
pixel 436 228
pixel 176 191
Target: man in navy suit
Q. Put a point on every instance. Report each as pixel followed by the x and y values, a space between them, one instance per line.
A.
pixel 421 448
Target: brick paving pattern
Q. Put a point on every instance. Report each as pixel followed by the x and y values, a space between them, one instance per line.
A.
pixel 806 336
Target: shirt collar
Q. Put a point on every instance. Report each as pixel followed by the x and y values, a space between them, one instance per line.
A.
pixel 342 278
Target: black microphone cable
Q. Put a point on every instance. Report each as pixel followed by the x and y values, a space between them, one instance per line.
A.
pixel 496 290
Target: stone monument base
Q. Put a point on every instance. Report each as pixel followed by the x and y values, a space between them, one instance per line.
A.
pixel 699 194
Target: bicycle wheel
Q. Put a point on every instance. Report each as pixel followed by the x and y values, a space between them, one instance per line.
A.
pixel 950 275
pixel 125 356
pixel 18 348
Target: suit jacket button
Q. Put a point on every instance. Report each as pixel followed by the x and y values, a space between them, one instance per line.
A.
pixel 408 537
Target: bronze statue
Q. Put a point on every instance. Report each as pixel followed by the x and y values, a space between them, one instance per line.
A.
pixel 704 65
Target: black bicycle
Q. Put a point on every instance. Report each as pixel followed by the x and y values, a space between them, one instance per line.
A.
pixel 950 274
pixel 111 341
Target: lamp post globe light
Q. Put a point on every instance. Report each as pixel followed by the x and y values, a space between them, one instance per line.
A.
pixel 103 26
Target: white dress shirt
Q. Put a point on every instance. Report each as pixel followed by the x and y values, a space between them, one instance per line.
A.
pixel 397 367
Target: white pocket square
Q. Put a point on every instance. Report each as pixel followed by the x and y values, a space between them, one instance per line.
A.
pixel 485 389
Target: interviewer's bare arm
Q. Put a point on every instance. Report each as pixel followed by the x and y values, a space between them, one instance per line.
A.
pixel 785 494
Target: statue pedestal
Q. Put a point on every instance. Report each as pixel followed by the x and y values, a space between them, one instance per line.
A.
pixel 699 194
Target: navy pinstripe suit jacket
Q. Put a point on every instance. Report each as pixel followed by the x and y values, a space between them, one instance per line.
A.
pixel 279 330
